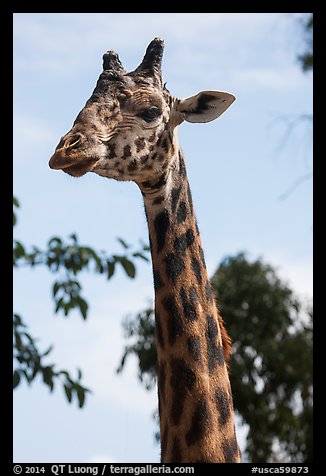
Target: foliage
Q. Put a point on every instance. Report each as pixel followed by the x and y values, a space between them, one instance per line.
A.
pixel 30 363
pixel 65 260
pixel 271 365
pixel 142 327
pixel 306 58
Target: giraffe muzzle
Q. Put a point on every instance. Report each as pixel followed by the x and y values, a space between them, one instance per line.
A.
pixel 70 157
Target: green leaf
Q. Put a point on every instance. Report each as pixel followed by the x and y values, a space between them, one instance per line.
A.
pixel 74 238
pixel 47 351
pixel 63 372
pixel 140 255
pixel 92 254
pixel 16 378
pixel 79 374
pixel 28 337
pixel 36 369
pixel 56 287
pixel 48 376
pixel 18 321
pixel 17 205
pixel 67 306
pixel 83 306
pixel 111 266
pixel 18 340
pixel 68 391
pixel 28 378
pixel 81 395
pixel 59 305
pixel 55 240
pixel 19 249
pixel 123 243
pixel 128 266
pixel 100 267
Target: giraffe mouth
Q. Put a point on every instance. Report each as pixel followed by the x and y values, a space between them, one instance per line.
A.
pixel 77 169
pixel 80 169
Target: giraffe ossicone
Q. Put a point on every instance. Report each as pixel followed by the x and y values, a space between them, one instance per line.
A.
pixel 128 131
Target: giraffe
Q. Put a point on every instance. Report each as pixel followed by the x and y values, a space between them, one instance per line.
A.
pixel 128 131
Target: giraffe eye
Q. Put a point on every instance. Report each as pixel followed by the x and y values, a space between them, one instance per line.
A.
pixel 150 113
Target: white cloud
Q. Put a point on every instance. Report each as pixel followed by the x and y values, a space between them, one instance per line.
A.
pixel 296 272
pixel 64 42
pixel 281 78
pixel 203 45
pixel 128 28
pixel 31 134
pixel 299 275
pixel 102 357
pixel 101 459
pixel 31 129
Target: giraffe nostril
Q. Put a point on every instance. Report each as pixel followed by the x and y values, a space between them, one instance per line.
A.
pixel 73 141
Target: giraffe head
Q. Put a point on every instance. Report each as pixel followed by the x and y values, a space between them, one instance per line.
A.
pixel 126 129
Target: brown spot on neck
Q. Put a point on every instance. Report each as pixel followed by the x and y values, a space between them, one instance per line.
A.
pixel 196 414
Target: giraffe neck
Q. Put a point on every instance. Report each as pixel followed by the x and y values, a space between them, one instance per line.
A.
pixel 195 403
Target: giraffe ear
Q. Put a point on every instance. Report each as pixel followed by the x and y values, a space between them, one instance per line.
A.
pixel 205 106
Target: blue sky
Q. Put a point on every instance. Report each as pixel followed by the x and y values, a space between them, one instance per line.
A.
pixel 238 167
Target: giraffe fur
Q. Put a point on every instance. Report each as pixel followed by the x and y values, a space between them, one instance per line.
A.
pixel 128 131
